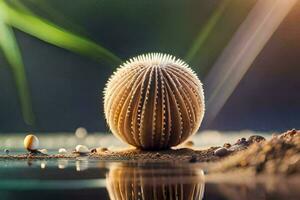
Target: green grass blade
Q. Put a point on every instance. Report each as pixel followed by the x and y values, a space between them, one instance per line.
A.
pixel 47 8
pixel 12 53
pixel 206 30
pixel 48 32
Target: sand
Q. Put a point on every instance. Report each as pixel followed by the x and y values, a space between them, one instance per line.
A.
pixel 281 154
pixel 182 154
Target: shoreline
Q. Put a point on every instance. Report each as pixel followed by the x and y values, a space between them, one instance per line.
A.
pixel 278 155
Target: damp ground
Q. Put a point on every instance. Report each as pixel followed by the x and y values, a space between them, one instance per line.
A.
pixel 178 173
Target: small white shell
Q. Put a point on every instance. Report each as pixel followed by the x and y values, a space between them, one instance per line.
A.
pixel 44 151
pixel 62 151
pixel 31 142
pixel 81 149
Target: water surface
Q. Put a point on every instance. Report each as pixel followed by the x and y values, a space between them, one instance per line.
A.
pixel 84 178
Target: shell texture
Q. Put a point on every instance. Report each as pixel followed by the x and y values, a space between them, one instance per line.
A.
pixel 154 101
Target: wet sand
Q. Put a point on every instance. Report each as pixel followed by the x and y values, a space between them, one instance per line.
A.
pixel 281 154
pixel 182 154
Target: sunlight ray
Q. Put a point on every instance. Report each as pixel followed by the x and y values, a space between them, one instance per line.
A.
pixel 237 57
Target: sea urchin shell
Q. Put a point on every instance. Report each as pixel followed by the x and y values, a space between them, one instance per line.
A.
pixel 154 101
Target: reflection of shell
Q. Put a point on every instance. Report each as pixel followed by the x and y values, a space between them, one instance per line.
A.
pixel 154 101
pixel 133 183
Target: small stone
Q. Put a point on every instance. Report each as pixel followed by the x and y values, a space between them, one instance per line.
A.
pixel 238 147
pixel 221 152
pixel 103 149
pixel 193 159
pixel 44 151
pixel 293 131
pixel 62 151
pixel 31 142
pixel 99 149
pixel 81 149
pixel 6 151
pixel 255 138
pixel 189 143
pixel 241 141
pixel 157 155
pixel 227 145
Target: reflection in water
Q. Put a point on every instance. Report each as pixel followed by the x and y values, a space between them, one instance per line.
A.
pixel 43 164
pixel 82 163
pixel 144 181
pixel 62 163
pixel 40 179
pixel 246 187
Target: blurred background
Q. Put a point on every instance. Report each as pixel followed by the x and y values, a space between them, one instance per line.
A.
pixel 56 57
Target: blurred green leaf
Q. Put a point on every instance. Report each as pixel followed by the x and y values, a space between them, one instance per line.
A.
pixel 46 7
pixel 206 30
pixel 17 15
pixel 11 51
pixel 48 32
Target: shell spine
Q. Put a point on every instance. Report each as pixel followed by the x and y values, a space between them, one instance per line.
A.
pixel 154 101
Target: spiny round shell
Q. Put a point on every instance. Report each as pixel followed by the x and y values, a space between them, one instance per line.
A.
pixel 31 142
pixel 154 101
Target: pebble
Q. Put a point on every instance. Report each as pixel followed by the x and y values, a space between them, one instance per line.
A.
pixel 293 131
pixel 241 144
pixel 44 151
pixel 238 147
pixel 189 143
pixel 193 159
pixel 227 145
pixel 255 138
pixel 221 152
pixel 81 149
pixel 6 151
pixel 241 141
pixel 62 151
pixel 31 142
pixel 102 149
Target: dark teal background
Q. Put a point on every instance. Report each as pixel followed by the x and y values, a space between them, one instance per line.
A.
pixel 67 88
